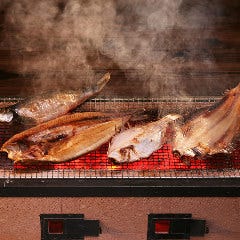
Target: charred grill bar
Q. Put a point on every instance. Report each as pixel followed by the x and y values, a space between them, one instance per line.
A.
pixel 162 174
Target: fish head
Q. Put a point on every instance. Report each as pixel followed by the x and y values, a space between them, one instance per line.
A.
pixel 126 154
pixel 13 150
pixel 20 151
pixel 6 115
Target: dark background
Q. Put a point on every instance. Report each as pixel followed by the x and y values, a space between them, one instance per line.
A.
pixel 198 60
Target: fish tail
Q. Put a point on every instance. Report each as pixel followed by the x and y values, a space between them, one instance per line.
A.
pixel 102 82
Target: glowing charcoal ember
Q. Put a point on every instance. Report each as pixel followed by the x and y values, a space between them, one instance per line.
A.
pixel 163 159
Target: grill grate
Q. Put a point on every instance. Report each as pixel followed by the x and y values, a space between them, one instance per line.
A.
pixel 161 163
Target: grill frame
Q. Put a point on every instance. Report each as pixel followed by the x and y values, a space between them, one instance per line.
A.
pixel 167 183
pixel 168 187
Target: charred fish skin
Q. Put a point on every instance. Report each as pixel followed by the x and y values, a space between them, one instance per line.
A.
pixel 141 141
pixel 52 105
pixel 211 131
pixel 64 138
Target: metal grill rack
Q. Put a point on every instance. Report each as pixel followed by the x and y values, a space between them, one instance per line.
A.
pixel 161 165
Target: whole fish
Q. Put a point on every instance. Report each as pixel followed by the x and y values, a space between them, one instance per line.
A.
pixel 64 138
pixel 52 105
pixel 140 141
pixel 211 131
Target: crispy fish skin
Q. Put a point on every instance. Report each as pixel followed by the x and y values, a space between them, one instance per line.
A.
pixel 141 141
pixel 64 138
pixel 52 105
pixel 63 120
pixel 87 140
pixel 211 131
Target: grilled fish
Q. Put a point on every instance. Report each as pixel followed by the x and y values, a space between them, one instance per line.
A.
pixel 52 105
pixel 210 131
pixel 64 138
pixel 140 141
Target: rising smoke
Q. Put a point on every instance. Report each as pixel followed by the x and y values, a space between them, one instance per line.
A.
pixel 64 43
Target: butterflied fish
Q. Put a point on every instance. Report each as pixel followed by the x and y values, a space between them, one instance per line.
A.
pixel 64 138
pixel 140 141
pixel 52 105
pixel 211 131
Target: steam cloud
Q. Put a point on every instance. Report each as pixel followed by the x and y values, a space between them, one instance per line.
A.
pixel 65 42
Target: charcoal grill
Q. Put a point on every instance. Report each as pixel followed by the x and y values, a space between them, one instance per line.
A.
pixel 162 174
